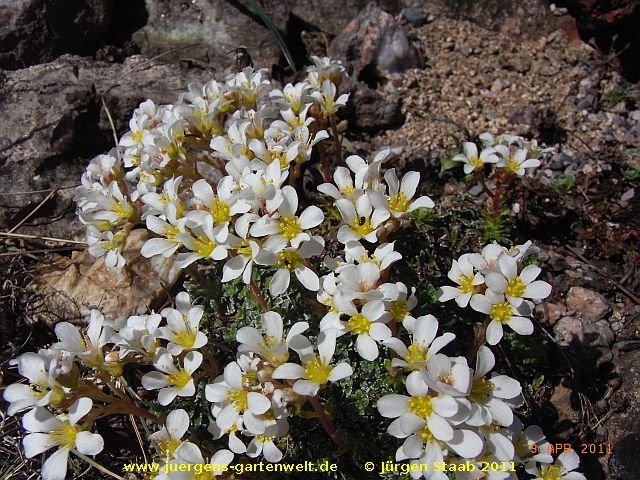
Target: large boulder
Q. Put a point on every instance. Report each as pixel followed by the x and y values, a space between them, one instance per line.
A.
pixel 39 31
pixel 614 26
pixel 211 31
pixel 55 122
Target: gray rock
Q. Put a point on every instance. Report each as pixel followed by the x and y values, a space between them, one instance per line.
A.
pixel 589 304
pixel 56 123
pixel 583 333
pixel 211 30
pixel 38 31
pixel 415 17
pixel 373 45
pixel 624 461
pixel 370 111
pixel 332 16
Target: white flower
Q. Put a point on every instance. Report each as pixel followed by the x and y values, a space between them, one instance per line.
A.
pixel 424 344
pixel 182 326
pixel 344 182
pixel 361 220
pixel 561 470
pixel 139 335
pixel 263 443
pixel 188 464
pixel 400 194
pixel 43 390
pixel 289 259
pixel 326 98
pixel 469 282
pixel 317 369
pixel 109 243
pixel 287 229
pixel 422 420
pixel 517 287
pixel 369 326
pixel 502 313
pixel 473 162
pixel 169 438
pixel 167 227
pixel 61 431
pixel 488 396
pixel 272 348
pixel 517 162
pixel 87 346
pixel 173 381
pixel 204 245
pixel 232 392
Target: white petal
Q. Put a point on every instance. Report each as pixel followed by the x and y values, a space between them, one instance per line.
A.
pixel 466 443
pixel 537 290
pixel 55 468
pixel 392 406
pixel 367 347
pixel 340 371
pixel 308 278
pixel 89 443
pixel 36 443
pixel 306 387
pixel 279 282
pixel 258 403
pixel 440 428
pixel 310 217
pixel 289 371
pixel 521 325
pixel 494 332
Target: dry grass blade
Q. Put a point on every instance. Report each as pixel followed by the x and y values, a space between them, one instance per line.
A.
pixel 49 239
pixel 46 199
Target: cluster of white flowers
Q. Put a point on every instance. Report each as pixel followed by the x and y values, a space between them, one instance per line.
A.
pixel 249 200
pixel 510 152
pixel 258 391
pixel 463 415
pixel 230 202
pixel 494 282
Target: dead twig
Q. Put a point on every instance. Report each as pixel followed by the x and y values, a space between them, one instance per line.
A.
pixel 623 289
pixel 46 199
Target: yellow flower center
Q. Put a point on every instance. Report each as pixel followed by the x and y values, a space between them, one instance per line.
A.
pixel 362 226
pixel 204 246
pixel 479 387
pixel 476 162
pixel 178 379
pixel 239 399
pixel 501 312
pixel 136 136
pixel 417 356
pixel 513 164
pixel 289 227
pixel 398 310
pixel 167 447
pixel 399 203
pixel 316 371
pixel 421 406
pixel 123 211
pixel 425 434
pixel 171 231
pixel 243 248
pixel 515 288
pixel 219 211
pixel 466 283
pixel 65 436
pixel 289 260
pixel 185 338
pixel 552 473
pixel 359 324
